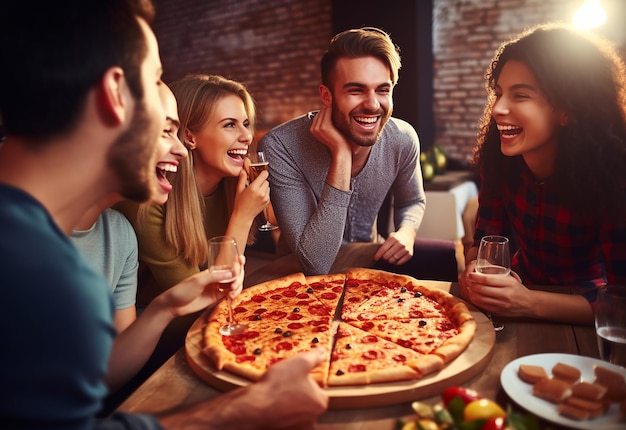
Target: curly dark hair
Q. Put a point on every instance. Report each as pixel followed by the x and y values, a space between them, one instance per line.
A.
pixel 582 74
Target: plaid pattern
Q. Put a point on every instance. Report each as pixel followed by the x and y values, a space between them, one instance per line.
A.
pixel 556 247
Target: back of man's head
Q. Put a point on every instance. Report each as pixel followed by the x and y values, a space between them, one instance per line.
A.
pixel 54 52
pixel 361 42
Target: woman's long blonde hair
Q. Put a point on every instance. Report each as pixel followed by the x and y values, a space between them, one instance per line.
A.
pixel 197 96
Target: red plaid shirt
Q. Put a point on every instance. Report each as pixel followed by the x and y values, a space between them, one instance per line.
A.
pixel 556 247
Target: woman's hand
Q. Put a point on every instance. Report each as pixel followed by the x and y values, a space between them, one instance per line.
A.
pixel 251 199
pixel 199 292
pixel 500 295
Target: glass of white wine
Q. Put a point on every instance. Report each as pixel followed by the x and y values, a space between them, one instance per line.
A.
pixel 258 164
pixel 494 258
pixel 224 257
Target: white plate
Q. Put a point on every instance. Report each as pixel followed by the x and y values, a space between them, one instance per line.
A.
pixel 521 392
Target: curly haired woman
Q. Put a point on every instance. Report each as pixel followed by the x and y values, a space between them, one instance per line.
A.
pixel 552 156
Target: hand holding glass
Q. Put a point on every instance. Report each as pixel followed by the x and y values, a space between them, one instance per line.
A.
pixel 224 257
pixel 494 258
pixel 258 164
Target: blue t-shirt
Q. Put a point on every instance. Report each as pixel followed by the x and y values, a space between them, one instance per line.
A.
pixel 56 325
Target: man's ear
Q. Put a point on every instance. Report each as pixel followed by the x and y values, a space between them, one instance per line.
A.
pixel 114 96
pixel 563 119
pixel 326 96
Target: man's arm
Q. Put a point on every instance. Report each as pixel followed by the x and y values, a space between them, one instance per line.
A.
pixel 287 398
pixel 311 213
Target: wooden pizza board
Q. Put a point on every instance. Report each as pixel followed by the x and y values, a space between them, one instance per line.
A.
pixel 472 361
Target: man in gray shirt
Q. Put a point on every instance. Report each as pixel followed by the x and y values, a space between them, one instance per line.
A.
pixel 330 171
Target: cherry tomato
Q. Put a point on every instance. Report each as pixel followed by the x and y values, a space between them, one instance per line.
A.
pixel 495 423
pixel 465 394
pixel 482 409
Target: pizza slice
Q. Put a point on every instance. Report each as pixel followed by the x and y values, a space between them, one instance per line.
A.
pixel 266 342
pixel 328 289
pixel 361 358
pixel 275 300
pixel 361 284
pixel 438 336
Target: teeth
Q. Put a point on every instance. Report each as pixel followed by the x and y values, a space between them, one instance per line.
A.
pixel 241 152
pixel 168 167
pixel 367 120
pixel 507 127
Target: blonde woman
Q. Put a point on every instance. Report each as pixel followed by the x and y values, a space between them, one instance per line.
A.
pixel 211 195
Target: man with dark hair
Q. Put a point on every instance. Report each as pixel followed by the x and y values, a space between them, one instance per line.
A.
pixel 331 171
pixel 79 99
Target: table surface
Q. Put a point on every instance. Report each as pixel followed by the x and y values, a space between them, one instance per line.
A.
pixel 175 385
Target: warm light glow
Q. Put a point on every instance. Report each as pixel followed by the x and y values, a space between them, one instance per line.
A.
pixel 590 15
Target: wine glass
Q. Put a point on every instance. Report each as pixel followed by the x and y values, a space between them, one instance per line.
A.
pixel 494 258
pixel 258 163
pixel 224 257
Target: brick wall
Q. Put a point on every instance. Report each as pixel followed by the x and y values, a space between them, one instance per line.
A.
pixel 465 35
pixel 273 46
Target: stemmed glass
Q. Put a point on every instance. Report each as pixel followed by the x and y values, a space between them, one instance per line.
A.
pixel 224 257
pixel 494 258
pixel 258 164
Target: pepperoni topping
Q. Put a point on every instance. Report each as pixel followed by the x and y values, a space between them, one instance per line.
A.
pixel 370 355
pixel 318 310
pixel 258 298
pixel 239 310
pixel 294 317
pixel 338 289
pixel 290 293
pixel 405 343
pixel 354 368
pixel 354 299
pixel 260 311
pixel 329 296
pixel 367 326
pixel 237 348
pixel 276 314
pixel 370 339
pixel 295 325
pixel 245 358
pixel 284 346
pixel 320 329
pixel 302 296
pixel 399 358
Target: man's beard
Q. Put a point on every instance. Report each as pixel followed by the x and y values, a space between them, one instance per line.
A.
pixel 345 128
pixel 132 157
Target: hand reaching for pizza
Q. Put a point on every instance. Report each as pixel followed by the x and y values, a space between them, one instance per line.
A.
pixel 288 384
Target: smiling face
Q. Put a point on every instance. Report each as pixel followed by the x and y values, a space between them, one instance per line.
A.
pixel 361 98
pixel 170 148
pixel 527 123
pixel 222 143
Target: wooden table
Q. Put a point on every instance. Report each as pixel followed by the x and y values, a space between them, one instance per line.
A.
pixel 174 385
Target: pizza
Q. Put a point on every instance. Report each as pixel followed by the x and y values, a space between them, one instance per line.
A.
pixel 376 327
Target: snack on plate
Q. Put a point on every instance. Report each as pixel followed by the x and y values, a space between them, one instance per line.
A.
pixel 613 381
pixel 573 412
pixel 552 390
pixel 589 390
pixel 595 408
pixel 392 328
pixel 566 372
pixel 531 374
pixel 582 400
